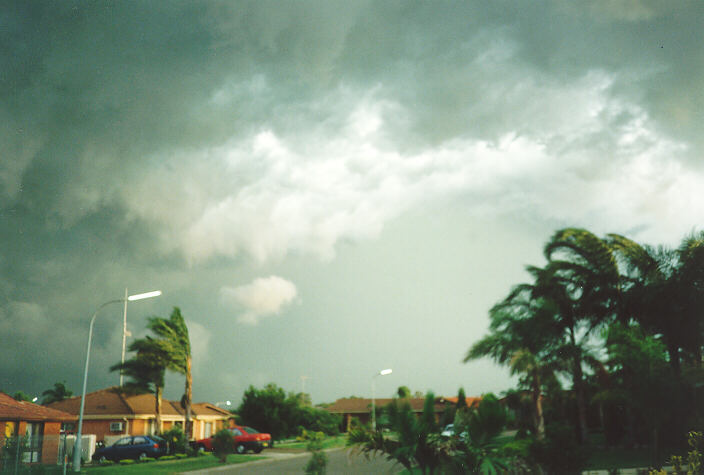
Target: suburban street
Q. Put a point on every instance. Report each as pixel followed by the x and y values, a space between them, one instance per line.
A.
pixel 293 463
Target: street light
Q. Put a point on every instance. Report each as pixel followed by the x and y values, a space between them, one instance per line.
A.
pixel 383 372
pixel 77 445
pixel 125 333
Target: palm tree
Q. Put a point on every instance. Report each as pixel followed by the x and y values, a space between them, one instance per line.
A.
pixel 663 290
pixel 582 278
pixel 173 340
pixel 146 372
pixel 58 393
pixel 521 337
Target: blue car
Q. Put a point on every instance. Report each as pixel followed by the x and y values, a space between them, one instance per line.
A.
pixel 136 447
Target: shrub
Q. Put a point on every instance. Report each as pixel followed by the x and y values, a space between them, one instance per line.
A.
pixel 183 456
pixel 176 440
pixel 126 462
pixel 222 444
pixel 559 452
pixel 147 459
pixel 318 460
pixel 169 457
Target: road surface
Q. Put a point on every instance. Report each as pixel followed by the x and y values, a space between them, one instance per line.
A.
pixel 339 462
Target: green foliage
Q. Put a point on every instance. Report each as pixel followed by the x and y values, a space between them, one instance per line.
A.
pixel 318 461
pixel 403 392
pixel 21 396
pixel 176 440
pixel 695 441
pixel 173 344
pixel 58 393
pixel 127 462
pixel 12 450
pixel 461 400
pixel 478 448
pixel 283 415
pixel 559 452
pixel 223 443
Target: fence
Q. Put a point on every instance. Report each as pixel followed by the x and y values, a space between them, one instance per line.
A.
pixel 41 453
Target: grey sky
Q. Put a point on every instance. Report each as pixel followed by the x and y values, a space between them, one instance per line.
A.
pixel 325 189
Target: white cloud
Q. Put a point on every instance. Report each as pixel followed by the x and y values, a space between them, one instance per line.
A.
pixel 261 298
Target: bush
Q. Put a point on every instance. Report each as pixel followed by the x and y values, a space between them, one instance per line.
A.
pixel 176 440
pixel 169 457
pixel 222 444
pixel 126 462
pixel 147 459
pixel 318 460
pixel 183 456
pixel 559 452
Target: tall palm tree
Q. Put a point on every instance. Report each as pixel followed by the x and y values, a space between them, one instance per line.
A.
pixel 172 338
pixel 521 337
pixel 663 290
pixel 57 393
pixel 146 372
pixel 582 278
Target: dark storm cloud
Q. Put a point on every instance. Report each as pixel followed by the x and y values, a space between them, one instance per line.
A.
pixel 152 144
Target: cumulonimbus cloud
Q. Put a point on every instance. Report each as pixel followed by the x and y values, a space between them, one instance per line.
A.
pixel 264 296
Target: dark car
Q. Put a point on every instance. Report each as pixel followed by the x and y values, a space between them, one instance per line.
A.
pixel 133 447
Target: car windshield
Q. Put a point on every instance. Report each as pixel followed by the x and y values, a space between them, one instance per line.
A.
pixel 249 430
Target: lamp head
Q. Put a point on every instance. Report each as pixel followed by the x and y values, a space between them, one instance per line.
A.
pixel 146 295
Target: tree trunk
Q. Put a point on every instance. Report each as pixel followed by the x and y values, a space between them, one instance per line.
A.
pixel 578 384
pixel 189 399
pixel 538 420
pixel 158 409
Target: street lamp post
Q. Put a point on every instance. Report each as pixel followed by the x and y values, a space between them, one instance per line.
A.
pixel 383 372
pixel 77 445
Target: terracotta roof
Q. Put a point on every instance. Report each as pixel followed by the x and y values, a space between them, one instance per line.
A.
pixel 471 401
pixel 207 409
pixel 10 409
pixel 363 405
pixel 111 401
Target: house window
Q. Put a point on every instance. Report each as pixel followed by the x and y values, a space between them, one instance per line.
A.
pixel 208 430
pixel 35 435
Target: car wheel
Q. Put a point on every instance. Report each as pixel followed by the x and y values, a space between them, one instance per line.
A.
pixel 142 456
pixel 102 459
pixel 240 449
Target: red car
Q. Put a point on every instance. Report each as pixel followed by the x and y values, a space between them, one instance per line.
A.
pixel 245 438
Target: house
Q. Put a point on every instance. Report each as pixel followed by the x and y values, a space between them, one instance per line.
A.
pixel 41 425
pixel 109 413
pixel 360 408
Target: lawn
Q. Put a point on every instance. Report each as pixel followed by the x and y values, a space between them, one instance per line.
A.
pixel 328 443
pixel 170 466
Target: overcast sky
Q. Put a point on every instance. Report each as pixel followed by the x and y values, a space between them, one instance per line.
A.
pixel 325 189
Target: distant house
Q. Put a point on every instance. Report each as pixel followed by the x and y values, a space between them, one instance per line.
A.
pixel 41 425
pixel 109 413
pixel 360 408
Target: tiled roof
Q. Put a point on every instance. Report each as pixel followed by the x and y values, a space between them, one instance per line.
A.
pixel 363 405
pixel 111 401
pixel 207 409
pixel 471 401
pixel 10 409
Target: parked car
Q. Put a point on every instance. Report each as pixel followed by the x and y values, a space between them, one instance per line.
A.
pixel 449 432
pixel 133 447
pixel 244 439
